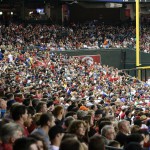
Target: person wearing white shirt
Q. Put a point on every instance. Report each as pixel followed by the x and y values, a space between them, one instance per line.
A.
pixel 56 134
pixel 10 58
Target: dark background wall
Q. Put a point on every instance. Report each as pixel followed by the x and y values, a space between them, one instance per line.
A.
pixel 131 59
pixel 81 14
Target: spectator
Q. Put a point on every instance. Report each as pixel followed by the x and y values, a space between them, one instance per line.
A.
pixel 69 136
pixel 145 134
pixel 97 142
pixel 27 102
pixel 67 122
pixel 46 121
pixel 128 116
pixel 10 100
pixel 135 129
pixel 138 122
pixel 98 115
pixel 10 132
pixel 78 128
pixel 136 137
pixel 103 124
pixel 25 144
pixel 114 144
pixel 56 134
pixel 29 122
pixel 39 141
pixel 50 106
pixel 41 107
pixel 133 145
pixel 59 115
pixel 124 131
pixel 20 116
pixel 3 107
pixel 72 114
pixel 108 132
pixel 71 144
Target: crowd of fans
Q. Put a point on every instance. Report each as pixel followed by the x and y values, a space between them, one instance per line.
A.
pixel 92 35
pixel 58 102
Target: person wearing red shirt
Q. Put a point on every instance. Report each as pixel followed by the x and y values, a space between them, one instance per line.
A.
pixel 20 116
pixel 10 132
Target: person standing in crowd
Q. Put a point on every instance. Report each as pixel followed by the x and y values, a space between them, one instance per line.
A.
pixel 46 122
pixel 124 131
pixel 56 134
pixel 133 145
pixel 25 144
pixel 9 133
pixel 10 58
pixel 20 115
pixel 79 128
pixel 59 115
pixel 1 56
pixel 71 144
pixel 10 100
pixel 108 132
pixel 3 108
pixel 39 141
pixel 97 142
pixel 41 107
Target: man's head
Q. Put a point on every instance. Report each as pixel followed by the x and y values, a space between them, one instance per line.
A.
pixel 10 96
pixel 108 132
pixel 124 126
pixel 20 112
pixel 98 114
pixel 97 143
pixel 56 134
pixel 10 132
pixel 71 144
pixel 68 121
pixel 25 144
pixel 47 119
pixel 59 110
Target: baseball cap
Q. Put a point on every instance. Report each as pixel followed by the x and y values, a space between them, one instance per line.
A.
pixel 83 108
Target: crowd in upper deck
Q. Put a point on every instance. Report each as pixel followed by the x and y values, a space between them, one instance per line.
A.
pixel 90 35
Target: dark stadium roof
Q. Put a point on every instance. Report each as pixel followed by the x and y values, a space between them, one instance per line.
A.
pixel 52 1
pixel 105 0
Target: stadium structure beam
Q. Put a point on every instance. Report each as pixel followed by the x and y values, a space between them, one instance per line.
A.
pixel 138 37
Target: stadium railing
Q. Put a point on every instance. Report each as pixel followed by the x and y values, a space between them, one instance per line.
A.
pixel 144 72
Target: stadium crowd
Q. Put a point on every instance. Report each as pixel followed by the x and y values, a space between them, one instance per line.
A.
pixel 90 35
pixel 58 102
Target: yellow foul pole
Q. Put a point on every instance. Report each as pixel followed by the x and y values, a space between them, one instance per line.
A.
pixel 138 37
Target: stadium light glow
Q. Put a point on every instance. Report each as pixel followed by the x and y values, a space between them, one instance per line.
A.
pixel 31 12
